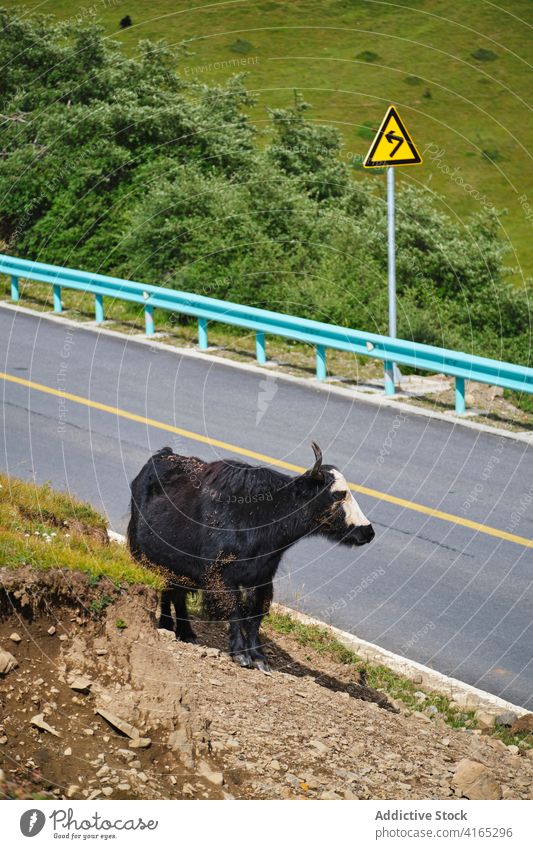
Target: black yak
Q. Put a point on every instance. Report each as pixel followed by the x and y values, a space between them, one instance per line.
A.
pixel 222 528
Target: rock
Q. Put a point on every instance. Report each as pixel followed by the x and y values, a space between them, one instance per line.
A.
pixel 507 718
pixel 103 771
pixel 420 696
pixel 80 684
pixel 15 638
pixel 64 638
pixel 275 765
pixel 320 746
pixel 529 754
pixel 39 723
pixel 485 720
pixel 212 652
pixel 349 795
pixel 422 716
pixel 100 652
pixel 140 743
pixel 166 635
pixel 357 750
pixel 118 723
pixel 496 743
pixel 3 740
pixel 88 732
pixel 432 710
pixel 474 781
pixel 73 791
pixel 123 786
pixel 7 662
pixel 513 750
pixel 524 723
pixel 52 631
pixel 67 752
pixel 107 791
pixel 211 775
pixel 126 754
pixel 329 794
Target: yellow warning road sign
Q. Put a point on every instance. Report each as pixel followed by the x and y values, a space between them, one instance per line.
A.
pixel 392 145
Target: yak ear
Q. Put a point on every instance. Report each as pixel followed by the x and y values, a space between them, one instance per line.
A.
pixel 316 472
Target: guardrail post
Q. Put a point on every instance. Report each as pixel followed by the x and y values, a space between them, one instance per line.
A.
pixel 149 320
pixel 202 334
pixel 99 308
pixel 15 294
pixel 260 352
pixel 460 404
pixel 58 306
pixel 320 362
pixel 390 389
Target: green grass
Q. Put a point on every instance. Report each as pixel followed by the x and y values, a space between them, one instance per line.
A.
pixel 45 529
pixel 351 58
pixel 381 678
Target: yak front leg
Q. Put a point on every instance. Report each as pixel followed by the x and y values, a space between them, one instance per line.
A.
pixel 224 603
pixel 259 600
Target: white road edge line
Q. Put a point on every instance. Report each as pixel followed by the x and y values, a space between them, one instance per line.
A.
pixel 310 383
pixel 466 695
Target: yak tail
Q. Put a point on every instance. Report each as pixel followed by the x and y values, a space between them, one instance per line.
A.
pixel 131 533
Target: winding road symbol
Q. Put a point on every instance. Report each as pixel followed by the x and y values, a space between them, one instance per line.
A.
pixel 392 144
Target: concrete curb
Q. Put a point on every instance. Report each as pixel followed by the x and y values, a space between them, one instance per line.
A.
pixel 464 694
pixel 428 679
pixel 308 382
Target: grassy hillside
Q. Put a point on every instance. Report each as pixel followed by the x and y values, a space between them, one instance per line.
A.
pixel 45 529
pixel 456 70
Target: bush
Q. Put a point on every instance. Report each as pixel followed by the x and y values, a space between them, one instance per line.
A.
pixel 121 166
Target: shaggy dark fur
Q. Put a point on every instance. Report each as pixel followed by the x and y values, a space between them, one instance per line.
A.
pixel 223 527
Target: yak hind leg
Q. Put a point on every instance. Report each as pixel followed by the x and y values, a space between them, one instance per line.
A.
pixel 184 631
pixel 165 619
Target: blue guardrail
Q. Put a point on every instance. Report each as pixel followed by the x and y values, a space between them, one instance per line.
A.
pixel 321 336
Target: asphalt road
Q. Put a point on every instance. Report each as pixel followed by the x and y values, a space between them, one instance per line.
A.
pixel 456 599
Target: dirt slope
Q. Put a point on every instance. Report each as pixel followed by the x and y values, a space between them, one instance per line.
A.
pixel 199 726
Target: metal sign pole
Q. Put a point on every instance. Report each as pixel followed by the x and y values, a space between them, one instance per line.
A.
pixel 389 366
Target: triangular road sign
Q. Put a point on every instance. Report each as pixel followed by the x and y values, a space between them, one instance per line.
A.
pixel 392 145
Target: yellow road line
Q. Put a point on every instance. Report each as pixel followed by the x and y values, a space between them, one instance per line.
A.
pixel 264 458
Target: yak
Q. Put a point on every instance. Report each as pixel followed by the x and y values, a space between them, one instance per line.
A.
pixel 222 528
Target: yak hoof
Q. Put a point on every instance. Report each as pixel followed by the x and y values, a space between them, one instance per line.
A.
pixel 242 659
pixel 263 666
pixel 189 638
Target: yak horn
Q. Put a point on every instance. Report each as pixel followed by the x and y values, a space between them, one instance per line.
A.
pixel 316 471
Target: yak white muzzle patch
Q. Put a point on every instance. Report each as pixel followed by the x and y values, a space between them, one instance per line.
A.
pixel 353 513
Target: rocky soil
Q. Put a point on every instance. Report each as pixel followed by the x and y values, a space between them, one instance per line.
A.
pixel 95 702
